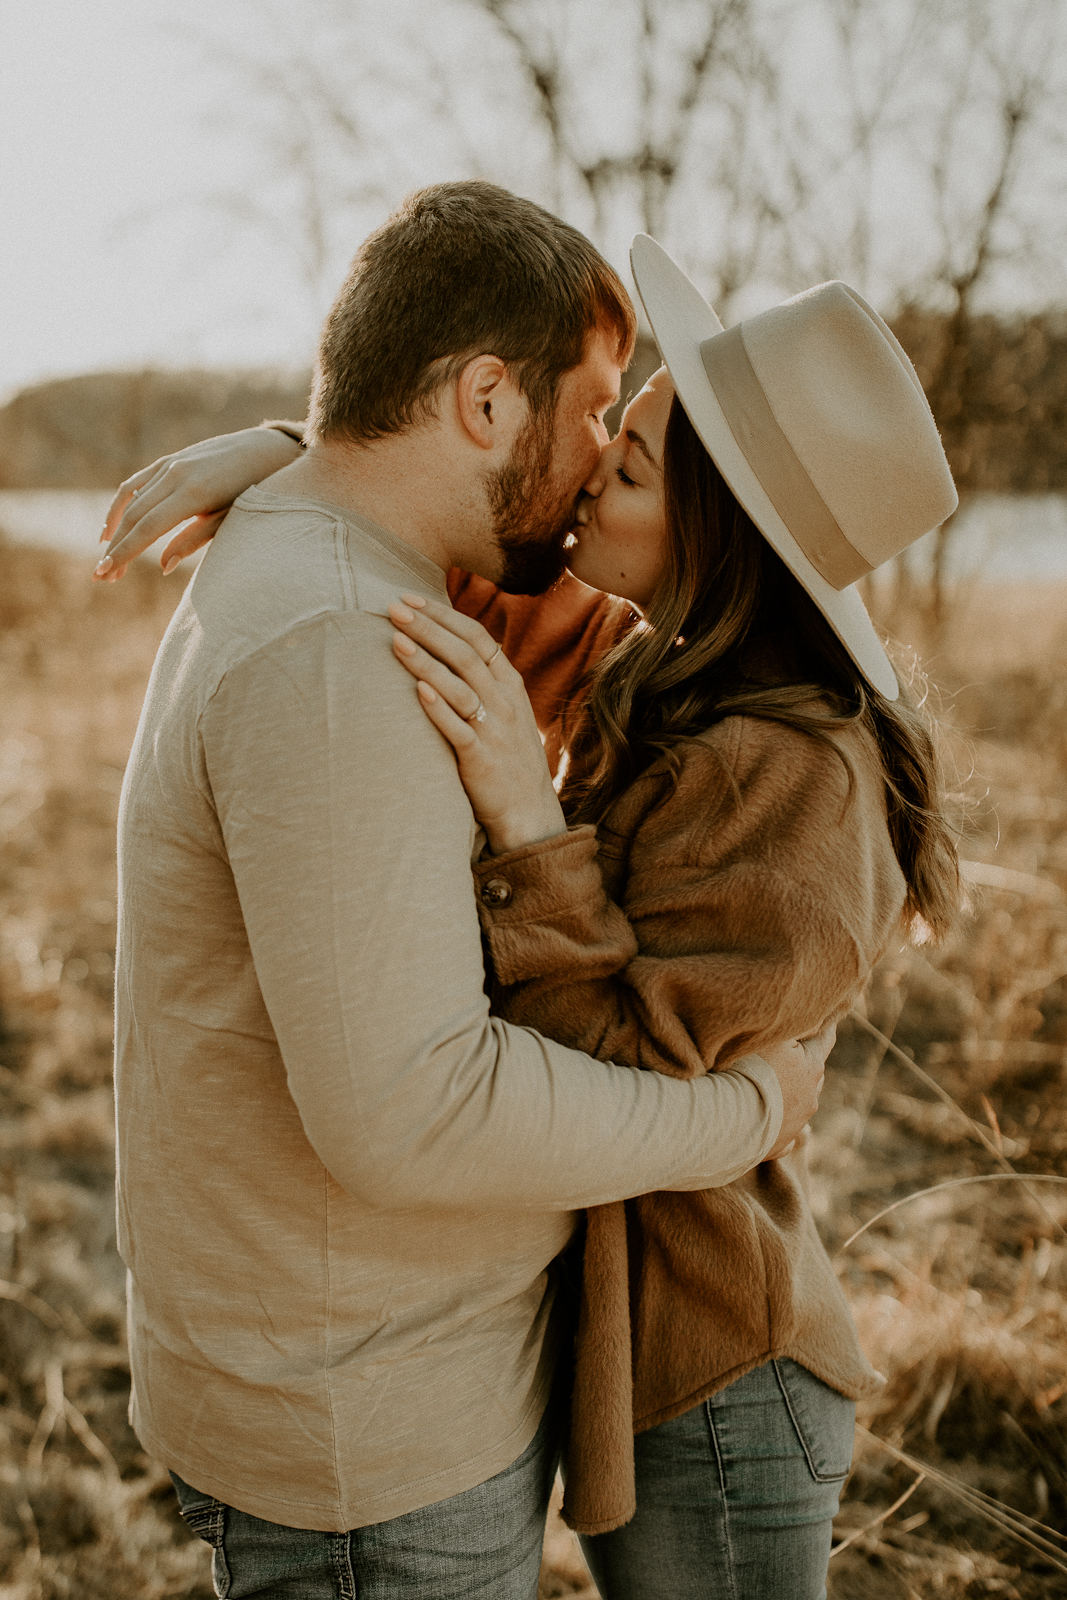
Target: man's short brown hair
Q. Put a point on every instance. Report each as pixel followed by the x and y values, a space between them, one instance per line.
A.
pixel 459 270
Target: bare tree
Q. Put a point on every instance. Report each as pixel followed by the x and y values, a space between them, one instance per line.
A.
pixel 677 70
pixel 768 143
pixel 972 234
pixel 767 175
pixel 919 174
pixel 671 77
pixel 873 61
pixel 963 271
pixel 1004 90
pixel 336 115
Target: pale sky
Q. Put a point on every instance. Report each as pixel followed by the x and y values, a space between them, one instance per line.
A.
pixel 107 257
pixel 117 124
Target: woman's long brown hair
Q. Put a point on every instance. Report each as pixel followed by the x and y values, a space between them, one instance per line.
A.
pixel 732 632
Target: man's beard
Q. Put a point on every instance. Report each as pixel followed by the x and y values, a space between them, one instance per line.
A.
pixel 532 515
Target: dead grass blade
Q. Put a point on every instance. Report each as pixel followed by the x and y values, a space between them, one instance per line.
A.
pixel 1047 1542
pixel 53 1415
pixel 976 1128
pixel 95 1446
pixel 883 1516
pixel 955 1183
pixel 31 1302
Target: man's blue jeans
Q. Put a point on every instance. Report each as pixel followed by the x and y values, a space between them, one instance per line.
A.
pixel 735 1498
pixel 484 1544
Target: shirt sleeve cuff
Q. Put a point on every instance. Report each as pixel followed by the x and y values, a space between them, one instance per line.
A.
pixel 766 1080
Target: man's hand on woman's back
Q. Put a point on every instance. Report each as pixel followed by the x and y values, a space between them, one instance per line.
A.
pixel 800 1067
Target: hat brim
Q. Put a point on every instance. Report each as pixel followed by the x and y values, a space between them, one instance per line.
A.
pixel 681 320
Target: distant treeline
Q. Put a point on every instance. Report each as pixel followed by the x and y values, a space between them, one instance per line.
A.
pixel 91 432
pixel 998 389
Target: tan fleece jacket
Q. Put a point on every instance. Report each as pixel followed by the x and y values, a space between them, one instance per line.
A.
pixel 743 903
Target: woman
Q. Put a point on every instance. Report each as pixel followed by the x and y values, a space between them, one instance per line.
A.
pixel 766 810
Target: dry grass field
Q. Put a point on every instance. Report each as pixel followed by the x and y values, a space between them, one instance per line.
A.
pixel 959 1293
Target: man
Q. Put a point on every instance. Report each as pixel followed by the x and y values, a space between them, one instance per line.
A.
pixel 341 1183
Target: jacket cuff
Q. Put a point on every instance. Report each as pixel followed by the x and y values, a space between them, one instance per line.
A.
pixel 538 879
pixel 544 911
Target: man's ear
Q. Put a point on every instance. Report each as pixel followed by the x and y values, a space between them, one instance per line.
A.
pixel 490 407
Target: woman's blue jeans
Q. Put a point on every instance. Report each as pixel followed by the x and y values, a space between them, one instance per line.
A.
pixel 735 1498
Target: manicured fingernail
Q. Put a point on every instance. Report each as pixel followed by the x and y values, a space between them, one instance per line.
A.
pixel 105 537
pixel 103 567
pixel 414 600
pixel 402 643
pixel 170 564
pixel 401 613
pixel 426 693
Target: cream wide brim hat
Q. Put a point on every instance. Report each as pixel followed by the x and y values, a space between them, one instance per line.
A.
pixel 817 421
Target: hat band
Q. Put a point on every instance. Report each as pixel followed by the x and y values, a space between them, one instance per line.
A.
pixel 775 462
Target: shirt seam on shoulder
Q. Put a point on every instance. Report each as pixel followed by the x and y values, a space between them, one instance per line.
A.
pixel 344 564
pixel 386 549
pixel 339 518
pixel 343 529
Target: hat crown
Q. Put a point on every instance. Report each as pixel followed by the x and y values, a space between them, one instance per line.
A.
pixel 849 402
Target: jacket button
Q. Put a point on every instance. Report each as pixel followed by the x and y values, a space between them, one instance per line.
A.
pixel 496 892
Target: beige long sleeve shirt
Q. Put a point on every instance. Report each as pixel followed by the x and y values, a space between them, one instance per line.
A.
pixel 341 1181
